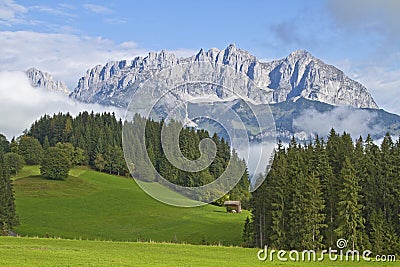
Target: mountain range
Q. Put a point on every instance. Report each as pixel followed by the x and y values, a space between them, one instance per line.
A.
pixel 298 75
pixel 294 84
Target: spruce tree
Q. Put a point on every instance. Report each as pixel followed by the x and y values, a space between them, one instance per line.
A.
pixel 321 169
pixel 306 215
pixel 46 143
pixel 350 220
pixel 247 235
pixel 277 200
pixel 8 217
pixel 389 183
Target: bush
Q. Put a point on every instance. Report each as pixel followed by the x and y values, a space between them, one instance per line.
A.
pixel 55 164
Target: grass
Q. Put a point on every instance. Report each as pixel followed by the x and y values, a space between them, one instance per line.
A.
pixel 97 206
pixel 93 205
pixel 59 252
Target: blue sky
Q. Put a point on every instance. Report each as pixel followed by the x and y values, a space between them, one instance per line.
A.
pixel 67 37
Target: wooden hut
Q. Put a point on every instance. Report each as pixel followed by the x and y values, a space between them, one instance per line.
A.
pixel 233 206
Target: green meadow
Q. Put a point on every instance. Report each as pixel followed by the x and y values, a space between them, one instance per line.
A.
pixel 91 219
pixel 61 252
pixel 98 206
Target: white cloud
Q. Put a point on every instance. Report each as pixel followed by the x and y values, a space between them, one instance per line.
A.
pixel 257 157
pixel 21 105
pixel 11 12
pixel 372 15
pixel 115 21
pixel 372 24
pixel 60 10
pixel 384 85
pixel 65 56
pixel 98 9
pixel 381 80
pixel 350 120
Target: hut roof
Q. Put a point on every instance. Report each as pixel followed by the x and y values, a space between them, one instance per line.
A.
pixel 231 202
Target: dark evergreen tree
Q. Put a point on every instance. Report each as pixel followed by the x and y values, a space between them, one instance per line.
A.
pixel 247 235
pixel 8 217
pixel 350 220
pixel 46 143
pixel 4 144
pixel 358 183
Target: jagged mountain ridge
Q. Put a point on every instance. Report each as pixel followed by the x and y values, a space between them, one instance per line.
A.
pixel 298 75
pixel 42 79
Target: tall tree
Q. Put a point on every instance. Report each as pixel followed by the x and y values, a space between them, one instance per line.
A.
pixel 4 144
pixel 8 217
pixel 350 220
pixel 330 184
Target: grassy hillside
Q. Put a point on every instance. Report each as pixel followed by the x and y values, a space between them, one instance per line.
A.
pixel 58 252
pixel 93 205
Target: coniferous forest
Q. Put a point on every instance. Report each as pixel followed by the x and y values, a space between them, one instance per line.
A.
pixel 318 193
pixel 96 138
pixel 313 195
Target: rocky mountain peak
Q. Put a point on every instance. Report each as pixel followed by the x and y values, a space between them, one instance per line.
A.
pixel 298 75
pixel 42 79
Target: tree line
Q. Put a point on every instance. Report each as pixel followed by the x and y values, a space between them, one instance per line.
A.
pixel 60 141
pixel 89 139
pixel 96 140
pixel 188 145
pixel 318 193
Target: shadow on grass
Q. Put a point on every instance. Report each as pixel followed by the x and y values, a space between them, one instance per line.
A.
pixel 223 211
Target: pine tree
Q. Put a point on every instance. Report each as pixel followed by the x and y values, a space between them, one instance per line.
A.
pixel 333 151
pixel 276 204
pixel 261 217
pixel 350 220
pixel 67 131
pixel 247 234
pixel 313 213
pixel 4 144
pixel 322 170
pixel 306 217
pixel 389 185
pixel 8 217
pixel 46 143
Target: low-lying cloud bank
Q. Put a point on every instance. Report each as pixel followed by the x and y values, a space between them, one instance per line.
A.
pixel 354 121
pixel 65 56
pixel 21 104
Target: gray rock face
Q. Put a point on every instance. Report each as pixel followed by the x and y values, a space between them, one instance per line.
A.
pixel 45 80
pixel 298 75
